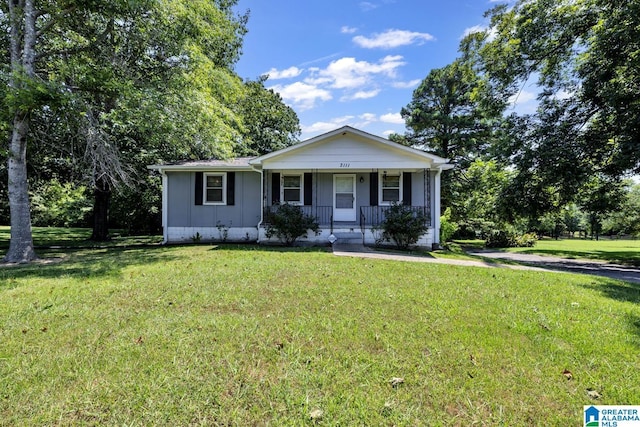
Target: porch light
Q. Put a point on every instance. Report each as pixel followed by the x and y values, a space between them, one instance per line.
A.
pixel 361 179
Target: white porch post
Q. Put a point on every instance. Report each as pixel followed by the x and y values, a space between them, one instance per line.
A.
pixel 165 208
pixel 436 208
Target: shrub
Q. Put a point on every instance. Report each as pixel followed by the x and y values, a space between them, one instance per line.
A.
pixel 59 205
pixel 509 239
pixel 447 227
pixel 500 239
pixel 288 223
pixel 403 225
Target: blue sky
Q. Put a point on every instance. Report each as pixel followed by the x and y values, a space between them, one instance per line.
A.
pixel 339 62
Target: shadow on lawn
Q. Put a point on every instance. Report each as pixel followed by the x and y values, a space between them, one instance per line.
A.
pixel 84 263
pixel 620 257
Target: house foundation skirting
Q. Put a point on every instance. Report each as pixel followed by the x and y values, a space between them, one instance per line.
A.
pixel 211 234
pixel 370 236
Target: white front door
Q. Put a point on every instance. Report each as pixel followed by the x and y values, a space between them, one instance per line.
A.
pixel 344 198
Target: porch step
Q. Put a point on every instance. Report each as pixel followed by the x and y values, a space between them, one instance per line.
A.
pixel 353 238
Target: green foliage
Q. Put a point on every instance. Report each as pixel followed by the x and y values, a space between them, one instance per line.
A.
pixel 288 223
pixel 510 239
pixel 403 225
pixel 447 226
pixel 269 123
pixel 60 205
pixel 626 220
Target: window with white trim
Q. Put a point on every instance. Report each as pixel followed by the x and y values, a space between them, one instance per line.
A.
pixel 215 188
pixel 291 189
pixel 390 189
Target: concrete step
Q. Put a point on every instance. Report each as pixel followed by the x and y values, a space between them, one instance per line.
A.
pixel 347 238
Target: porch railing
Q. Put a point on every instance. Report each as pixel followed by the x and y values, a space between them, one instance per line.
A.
pixel 371 216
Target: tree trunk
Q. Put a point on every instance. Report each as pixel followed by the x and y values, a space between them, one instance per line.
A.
pixel 102 196
pixel 21 244
pixel 22 44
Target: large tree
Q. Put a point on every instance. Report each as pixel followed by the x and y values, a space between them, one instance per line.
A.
pixel 96 58
pixel 455 113
pixel 584 56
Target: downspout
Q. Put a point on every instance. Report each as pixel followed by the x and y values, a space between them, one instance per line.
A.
pixel 436 209
pixel 165 208
pixel 262 199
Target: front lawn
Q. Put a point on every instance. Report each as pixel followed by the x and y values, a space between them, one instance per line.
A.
pixel 245 335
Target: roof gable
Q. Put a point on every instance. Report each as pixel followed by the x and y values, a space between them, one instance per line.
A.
pixel 349 148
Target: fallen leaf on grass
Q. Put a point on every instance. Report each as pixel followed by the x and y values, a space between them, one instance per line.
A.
pixel 567 373
pixel 473 360
pixel 593 394
pixel 139 340
pixel 395 381
pixel 316 414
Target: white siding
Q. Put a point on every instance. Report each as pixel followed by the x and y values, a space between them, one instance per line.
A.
pixel 348 152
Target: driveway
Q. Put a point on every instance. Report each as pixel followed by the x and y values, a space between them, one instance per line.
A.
pixel 524 262
pixel 581 266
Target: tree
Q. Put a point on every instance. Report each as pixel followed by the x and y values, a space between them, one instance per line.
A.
pixel 269 123
pixel 599 196
pixel 96 58
pixel 625 220
pixel 454 113
pixel 584 55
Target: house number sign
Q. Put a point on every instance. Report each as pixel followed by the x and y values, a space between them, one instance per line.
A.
pixel 345 165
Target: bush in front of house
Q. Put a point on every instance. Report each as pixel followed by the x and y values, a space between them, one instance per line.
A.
pixel 403 225
pixel 288 223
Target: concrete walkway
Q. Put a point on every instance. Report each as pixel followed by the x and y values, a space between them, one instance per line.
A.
pixel 361 251
pixel 525 262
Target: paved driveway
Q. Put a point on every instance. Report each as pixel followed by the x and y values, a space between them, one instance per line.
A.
pixel 582 266
pixel 525 262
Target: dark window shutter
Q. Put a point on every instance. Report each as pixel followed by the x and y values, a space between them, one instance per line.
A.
pixel 406 188
pixel 373 189
pixel 308 189
pixel 231 188
pixel 199 190
pixel 275 188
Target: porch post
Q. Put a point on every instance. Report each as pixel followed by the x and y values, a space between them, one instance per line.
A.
pixel 165 208
pixel 436 208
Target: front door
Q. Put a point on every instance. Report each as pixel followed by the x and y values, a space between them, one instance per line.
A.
pixel 344 198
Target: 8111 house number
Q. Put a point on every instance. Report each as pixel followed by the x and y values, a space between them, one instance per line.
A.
pixel 345 165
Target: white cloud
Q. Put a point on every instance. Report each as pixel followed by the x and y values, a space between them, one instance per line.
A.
pixel 361 94
pixel 394 118
pixel 522 97
pixel 289 73
pixel 367 6
pixel 320 127
pixel 386 133
pixel 348 30
pixel 491 32
pixel 347 73
pixel 474 29
pixel 406 85
pixel 392 38
pixel 302 95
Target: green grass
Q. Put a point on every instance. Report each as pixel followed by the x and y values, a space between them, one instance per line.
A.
pixel 75 237
pixel 244 335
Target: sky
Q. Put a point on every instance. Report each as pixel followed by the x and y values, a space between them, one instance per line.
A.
pixel 352 62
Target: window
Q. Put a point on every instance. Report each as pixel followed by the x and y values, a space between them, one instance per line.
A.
pixel 292 189
pixel 214 189
pixel 390 188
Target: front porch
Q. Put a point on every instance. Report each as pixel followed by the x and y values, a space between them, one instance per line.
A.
pixel 366 229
